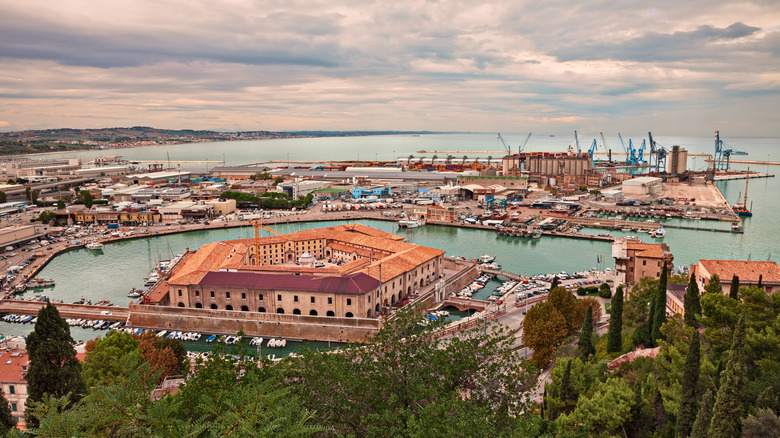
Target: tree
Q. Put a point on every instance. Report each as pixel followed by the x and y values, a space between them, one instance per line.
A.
pixel 54 369
pixel 104 362
pixel 714 286
pixel 34 196
pixel 734 291
pixel 566 303
pixel 3 198
pixel 660 308
pixel 86 197
pixel 7 420
pixel 585 343
pixel 567 392
pixel 692 303
pixel 728 409
pixel 615 333
pixel 47 216
pixel 596 306
pixel 605 291
pixel 544 328
pixel 760 281
pixel 607 410
pixel 60 204
pixel 553 283
pixel 764 424
pixel 702 425
pixel 690 380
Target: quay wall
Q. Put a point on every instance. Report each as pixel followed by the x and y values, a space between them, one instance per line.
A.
pixel 273 325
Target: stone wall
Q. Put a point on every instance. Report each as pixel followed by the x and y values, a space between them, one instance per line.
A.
pixel 271 325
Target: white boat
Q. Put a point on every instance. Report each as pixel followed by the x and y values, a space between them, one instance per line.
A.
pixel 658 233
pixel 134 293
pixel 486 259
pixel 411 223
pixel 95 246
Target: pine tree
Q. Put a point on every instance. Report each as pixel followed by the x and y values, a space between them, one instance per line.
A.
pixel 7 420
pixel 585 343
pixel 544 402
pixel 734 291
pixel 615 334
pixel 702 425
pixel 692 303
pixel 660 308
pixel 686 416
pixel 766 400
pixel 728 409
pixel 760 281
pixel 554 283
pixel 54 369
pixel 568 394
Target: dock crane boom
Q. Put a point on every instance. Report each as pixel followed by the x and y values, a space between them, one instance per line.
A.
pixel 592 150
pixel 577 142
pixel 723 154
pixel 628 154
pixel 525 142
pixel 509 149
pixel 658 153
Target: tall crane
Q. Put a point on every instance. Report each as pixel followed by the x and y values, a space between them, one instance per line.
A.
pixel 606 148
pixel 592 150
pixel 658 154
pixel 628 153
pixel 577 142
pixel 509 149
pixel 723 154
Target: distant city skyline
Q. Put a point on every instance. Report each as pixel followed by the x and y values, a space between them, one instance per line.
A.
pixel 674 68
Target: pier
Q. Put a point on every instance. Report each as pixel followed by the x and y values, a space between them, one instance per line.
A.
pixel 84 311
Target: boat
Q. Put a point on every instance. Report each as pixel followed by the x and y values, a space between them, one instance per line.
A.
pixel 95 246
pixel 40 282
pixel 411 223
pixel 658 233
pixel 736 228
pixel 134 293
pixel 487 259
pixel 740 208
pixel 211 338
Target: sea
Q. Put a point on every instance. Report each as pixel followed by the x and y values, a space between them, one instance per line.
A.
pixel 123 265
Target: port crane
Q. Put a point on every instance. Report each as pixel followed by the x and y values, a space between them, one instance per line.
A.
pixel 509 149
pixel 723 154
pixel 658 154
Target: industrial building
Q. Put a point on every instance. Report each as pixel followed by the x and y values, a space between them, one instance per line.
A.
pixel 643 185
pixel 345 271
pixel 549 167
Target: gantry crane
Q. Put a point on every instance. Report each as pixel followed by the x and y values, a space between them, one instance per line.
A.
pixel 509 149
pixel 657 155
pixel 723 154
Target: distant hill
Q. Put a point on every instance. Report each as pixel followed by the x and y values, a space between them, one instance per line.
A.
pixel 67 139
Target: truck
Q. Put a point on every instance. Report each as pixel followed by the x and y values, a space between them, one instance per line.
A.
pixel 112 226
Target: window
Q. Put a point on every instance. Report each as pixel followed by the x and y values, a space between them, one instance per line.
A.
pixel 212 294
pixel 330 300
pixel 261 297
pixel 179 292
pixel 312 300
pixel 295 298
pixel 243 295
pixel 11 389
pixel 197 293
pixel 349 301
pixel 279 297
pixel 227 295
pixel 644 262
pixel 13 407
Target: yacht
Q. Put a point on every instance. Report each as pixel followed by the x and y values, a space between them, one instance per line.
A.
pixel 658 233
pixel 411 223
pixel 487 259
pixel 95 246
pixel 134 293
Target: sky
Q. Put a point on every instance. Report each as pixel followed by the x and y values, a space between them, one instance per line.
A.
pixel 671 67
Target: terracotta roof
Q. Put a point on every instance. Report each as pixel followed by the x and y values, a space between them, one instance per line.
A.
pixel 354 284
pixel 746 270
pixel 678 291
pixel 11 366
pixel 649 250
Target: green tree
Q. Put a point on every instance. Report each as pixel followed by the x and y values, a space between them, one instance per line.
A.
pixel 714 286
pixel 615 333
pixel 692 303
pixel 605 412
pixel 764 424
pixel 105 358
pixel 553 283
pixel 60 204
pixel 659 318
pixel 7 420
pixel 605 291
pixel 567 392
pixel 734 291
pixel 585 343
pixel 543 329
pixel 720 316
pixel 54 369
pixel 690 380
pixel 46 216
pixel 87 199
pixel 701 427
pixel 637 303
pixel 728 409
pixel 566 303
pixel 760 281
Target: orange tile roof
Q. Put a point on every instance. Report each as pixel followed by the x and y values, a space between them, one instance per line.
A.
pixel 11 363
pixel 649 250
pixel 746 270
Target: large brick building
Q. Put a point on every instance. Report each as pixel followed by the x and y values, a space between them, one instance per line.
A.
pixel 748 272
pixel 344 271
pixel 635 259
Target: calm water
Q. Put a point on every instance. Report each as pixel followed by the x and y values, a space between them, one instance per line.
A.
pixel 121 266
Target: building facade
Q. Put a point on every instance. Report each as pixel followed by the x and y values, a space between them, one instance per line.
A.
pixel 748 272
pixel 635 259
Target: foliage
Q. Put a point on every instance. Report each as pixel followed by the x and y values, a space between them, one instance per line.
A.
pixel 605 291
pixel 728 409
pixel 615 333
pixel 702 425
pixel 85 197
pixel 720 315
pixel 688 402
pixel 416 384
pixel 714 286
pixel 734 289
pixel 636 306
pixel 543 329
pixel 566 303
pixel 660 308
pixel 60 204
pixel 46 216
pixel 585 343
pixel 104 362
pixel 54 369
pixel 7 420
pixel 677 279
pixel 606 411
pixel 692 303
pixel 262 176
pixel 594 304
pixel 764 424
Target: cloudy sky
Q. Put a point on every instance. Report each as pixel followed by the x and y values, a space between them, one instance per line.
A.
pixel 673 67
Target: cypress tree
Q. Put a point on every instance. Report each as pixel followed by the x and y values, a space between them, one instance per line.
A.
pixel 585 343
pixel 660 308
pixel 567 392
pixel 54 369
pixel 766 400
pixel 727 411
pixel 686 416
pixel 615 334
pixel 734 291
pixel 7 420
pixel 554 283
pixel 544 402
pixel 760 282
pixel 702 425
pixel 692 303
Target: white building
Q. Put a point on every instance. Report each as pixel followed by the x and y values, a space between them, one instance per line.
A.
pixel 643 185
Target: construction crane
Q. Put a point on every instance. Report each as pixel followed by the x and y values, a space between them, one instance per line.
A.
pixel 657 155
pixel 256 224
pixel 592 150
pixel 636 156
pixel 723 154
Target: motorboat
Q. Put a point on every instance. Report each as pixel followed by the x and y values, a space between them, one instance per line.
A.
pixel 658 233
pixel 94 246
pixel 411 223
pixel 487 259
pixel 134 293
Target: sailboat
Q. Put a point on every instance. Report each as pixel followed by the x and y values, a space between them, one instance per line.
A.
pixel 740 208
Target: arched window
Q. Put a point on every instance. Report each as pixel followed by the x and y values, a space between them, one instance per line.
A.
pixel 244 309
pixel 280 310
pixel 228 307
pixel 180 304
pixel 349 315
pixel 296 311
pixel 214 306
pixel 198 305
pixel 330 313
pixel 313 312
pixel 377 308
pixel 261 310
